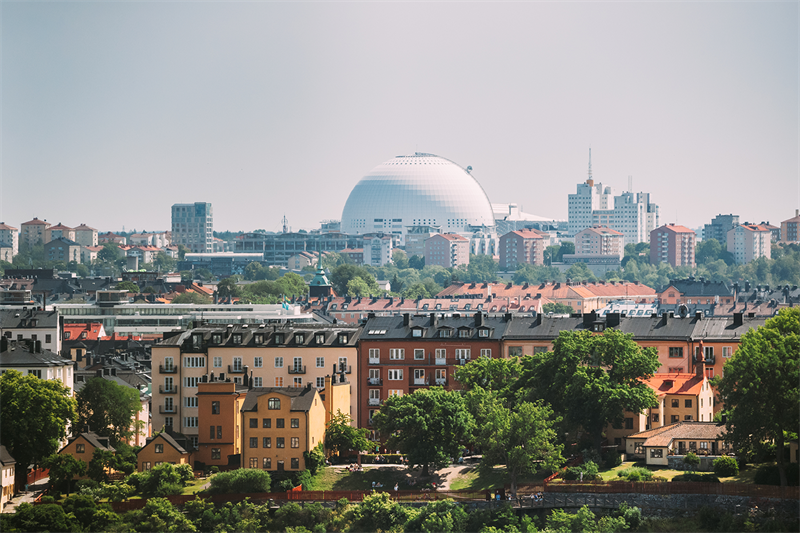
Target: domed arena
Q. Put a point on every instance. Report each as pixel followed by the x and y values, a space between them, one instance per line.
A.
pixel 416 190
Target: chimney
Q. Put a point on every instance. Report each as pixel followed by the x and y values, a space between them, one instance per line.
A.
pixel 478 319
pixel 406 319
pixel 700 361
pixel 113 371
pixel 738 319
pixel 434 320
pixel 698 315
pixel 612 320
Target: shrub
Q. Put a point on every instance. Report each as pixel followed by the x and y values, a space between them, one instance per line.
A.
pixel 726 466
pixel 243 480
pixel 769 475
pixel 48 499
pixel 388 458
pixel 612 459
pixel 636 473
pixel 214 469
pixel 690 461
pixel 632 515
pixel 700 478
pixel 588 469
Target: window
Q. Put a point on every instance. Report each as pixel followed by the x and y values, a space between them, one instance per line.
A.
pixel 194 362
pixel 638 447
pixel 279 338
pixel 258 362
pixel 279 442
pixel 674 418
pixel 197 342
pixel 704 446
pixel 374 355
pixel 279 362
pixel 190 421
pixel 298 383
pixel 486 352
pixel 342 338
pixel 254 422
pixel 629 423
pixel 168 421
pixel 515 351
pixel 237 364
pixel 676 370
pixel 258 338
pixel 237 338
pixel 655 417
pixel 216 453
pixel 441 353
pixel 159 448
pixel 675 352
pixel 319 338
pixel 687 403
pixel 444 333
pixel 299 338
pixel 266 442
pixel 216 338
pixel 395 374
pixel 295 463
pixel 146 466
pixel 219 432
pixel 726 351
pixel 656 453
pixel 397 353
pixel 675 403
pixel 254 442
pixel 320 362
pixel 218 362
pixel 191 381
pixel 687 417
pixel 254 462
pixel 267 462
pixel 692 445
pixel 416 332
pixel 81 448
pixel 213 433
pixel 462 353
pixel 274 404
pixel 295 422
pixel 395 392
pixel 464 333
pixel 297 364
pixel 295 442
pixel 258 382
pixel 419 354
pixel 278 381
pixel 190 401
pixel 279 423
pixel 483 332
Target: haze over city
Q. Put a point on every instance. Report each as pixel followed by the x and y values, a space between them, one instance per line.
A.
pixel 112 112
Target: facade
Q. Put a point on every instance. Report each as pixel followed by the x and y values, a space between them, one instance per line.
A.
pixel 377 250
pixel 89 254
pixel 158 239
pixel 521 246
pixel 417 190
pixel 655 445
pixel 277 248
pixel 448 250
pixel 748 242
pixel 415 239
pixel 8 467
pixel 693 291
pixel 403 353
pixel 271 356
pixel 355 254
pixel 43 364
pixel 10 236
pixel 112 238
pixel 790 229
pixel 302 260
pixel 83 445
pixel 86 236
pixel 219 407
pixel 33 231
pixel 599 241
pixel 59 231
pixel 193 226
pixel 32 326
pixel 6 252
pixel 719 228
pixel 165 447
pixel 62 249
pixel 673 244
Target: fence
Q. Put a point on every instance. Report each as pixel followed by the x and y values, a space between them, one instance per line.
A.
pixel 722 489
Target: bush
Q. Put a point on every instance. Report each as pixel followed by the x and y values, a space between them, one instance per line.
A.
pixel 700 478
pixel 636 473
pixel 769 475
pixel 214 469
pixel 612 459
pixel 48 499
pixel 387 458
pixel 726 466
pixel 588 469
pixel 690 461
pixel 242 480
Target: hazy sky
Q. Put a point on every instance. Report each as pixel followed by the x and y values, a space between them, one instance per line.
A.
pixel 112 112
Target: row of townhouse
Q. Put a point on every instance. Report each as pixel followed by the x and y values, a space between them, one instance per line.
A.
pixel 396 355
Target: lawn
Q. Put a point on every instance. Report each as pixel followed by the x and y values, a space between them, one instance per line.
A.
pixel 338 478
pixel 196 485
pixel 746 474
pixel 472 479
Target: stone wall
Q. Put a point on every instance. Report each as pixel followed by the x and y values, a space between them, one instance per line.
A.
pixel 675 462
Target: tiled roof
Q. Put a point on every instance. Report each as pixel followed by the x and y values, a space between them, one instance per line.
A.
pixel 683 384
pixel 602 230
pixel 84 227
pixel 675 228
pixel 552 291
pixel 5 457
pixel 60 227
pixel 695 287
pixel 18 355
pixel 63 240
pixel 4 226
pixel 94 439
pixel 393 328
pixel 36 222
pixel 449 236
pixel 663 436
pixel 302 398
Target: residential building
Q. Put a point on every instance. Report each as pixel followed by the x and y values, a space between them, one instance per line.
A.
pixel 86 236
pixel 302 260
pixel 219 405
pixel 159 239
pixel 657 444
pixel 8 467
pixel 790 229
pixel 377 250
pixel 279 424
pixel 59 231
pixel 34 326
pixel 748 242
pixel 10 236
pixel 719 228
pixel 275 356
pixel 112 238
pixel 524 246
pixel 404 353
pixel 166 446
pixel 6 252
pixel 416 237
pixel 89 254
pixel 26 359
pixel 83 445
pixel 693 291
pixel 775 231
pixel 143 253
pixel 62 249
pixel 673 244
pixel 33 231
pixel 193 226
pixel 355 254
pixel 448 250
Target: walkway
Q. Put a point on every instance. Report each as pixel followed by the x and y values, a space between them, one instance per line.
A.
pixel 34 490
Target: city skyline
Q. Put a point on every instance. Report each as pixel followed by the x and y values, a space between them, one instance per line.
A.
pixel 117 111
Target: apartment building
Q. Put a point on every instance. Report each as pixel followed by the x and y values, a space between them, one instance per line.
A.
pixel 271 356
pixel 377 250
pixel 34 326
pixel 673 244
pixel 748 242
pixel 166 446
pixel 8 466
pixel 62 249
pixel 448 250
pixel 10 236
pixel 219 405
pixel 404 353
pixel 693 291
pixel 193 226
pixel 525 246
pixel 719 228
pixel 790 229
pixel 86 236
pixel 59 231
pixel 416 237
pixel 33 231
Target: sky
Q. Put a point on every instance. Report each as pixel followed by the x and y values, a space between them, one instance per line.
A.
pixel 113 111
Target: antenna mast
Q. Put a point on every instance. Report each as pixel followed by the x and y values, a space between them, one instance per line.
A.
pixel 285 224
pixel 590 162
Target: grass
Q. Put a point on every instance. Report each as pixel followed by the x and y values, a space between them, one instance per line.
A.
pixel 472 479
pixel 196 485
pixel 746 475
pixel 338 478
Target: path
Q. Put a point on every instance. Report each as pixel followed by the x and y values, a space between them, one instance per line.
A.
pixel 34 490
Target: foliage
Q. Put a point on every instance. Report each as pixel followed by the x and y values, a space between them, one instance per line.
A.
pixel 488 373
pixel 378 513
pixel 527 273
pixel 34 417
pixel 584 521
pixel 191 297
pixel 343 274
pixel 48 517
pixel 125 458
pixel 315 459
pixel 400 259
pixel 631 515
pixel 357 287
pixel 127 286
pixel 636 473
pixel 428 426
pixel 341 436
pixel 108 408
pixel 591 379
pixel 691 461
pixel 102 461
pixel 416 262
pixel 760 381
pixel 163 479
pixel 693 476
pixel 159 515
pixel 588 469
pixel 240 480
pixel 441 515
pixel 557 309
pixel 726 466
pixel 227 288
pixel 268 291
pixel 580 272
pixel 63 468
pixel 769 475
pixel 481 268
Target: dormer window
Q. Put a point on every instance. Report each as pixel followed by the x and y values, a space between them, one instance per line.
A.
pixel 237 338
pixel 67 335
pixel 483 332
pixel 319 338
pixel 464 333
pixel 83 334
pixel 480 307
pixel 416 332
pixel 299 338
pixel 467 307
pixel 259 338
pixel 197 342
pixel 438 307
pixel 279 338
pixel 342 338
pixel 216 338
pixel 425 307
pixel 333 307
pixel 444 333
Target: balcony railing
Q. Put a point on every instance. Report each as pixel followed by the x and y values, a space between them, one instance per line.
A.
pixel 441 360
pixel 441 381
pixel 297 369
pixel 167 390
pixel 420 381
pixel 374 381
pixel 167 369
pixel 167 410
pixel 374 401
pixel 235 369
pixel 374 360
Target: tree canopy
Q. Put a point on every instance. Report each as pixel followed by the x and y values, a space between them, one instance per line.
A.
pixel 341 436
pixel 343 274
pixel 107 408
pixel 191 297
pixel 759 387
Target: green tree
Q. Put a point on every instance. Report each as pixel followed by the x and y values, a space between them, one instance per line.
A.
pixel 488 373
pixel 527 273
pixel 240 480
pixel 34 417
pixel 707 250
pixel 416 262
pixel 357 287
pixel 481 268
pixel 63 469
pixel 227 288
pixel 759 387
pixel 48 517
pixel 691 461
pixel 400 259
pixel 102 461
pixel 378 513
pixel 444 516
pixel 164 263
pixel 566 247
pixel 110 253
pixel 159 515
pixel 428 426
pixel 127 286
pixel 107 408
pixel 191 297
pixel 591 380
pixel 341 436
pixel 342 275
pixel 557 309
pixel 523 439
pixel 580 272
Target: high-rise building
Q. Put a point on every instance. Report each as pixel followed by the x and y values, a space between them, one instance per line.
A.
pixel 719 227
pixel 193 226
pixel 10 236
pixel 448 250
pixel 33 231
pixel 748 242
pixel 630 213
pixel 790 229
pixel 673 244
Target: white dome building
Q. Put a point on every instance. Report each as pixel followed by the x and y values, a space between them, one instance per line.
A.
pixel 417 190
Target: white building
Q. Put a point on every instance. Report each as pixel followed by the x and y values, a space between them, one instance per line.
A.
pixel 30 325
pixel 377 250
pixel 193 226
pixel 44 364
pixel 86 236
pixel 159 239
pixel 748 242
pixel 10 236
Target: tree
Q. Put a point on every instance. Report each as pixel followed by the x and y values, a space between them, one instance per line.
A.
pixel 400 259
pixel 63 468
pixel 164 263
pixel 160 515
pixel 522 439
pixel 427 426
pixel 342 275
pixel 110 253
pixel 341 436
pixel 191 297
pixel 227 288
pixel 557 309
pixel 34 417
pixel 102 461
pixel 416 262
pixel 127 286
pixel 108 409
pixel 759 386
pixel 566 247
pixel 240 480
pixel 357 287
pixel 707 250
pixel 481 268
pixel 691 461
pixel 591 380
pixel 487 373
pixel 580 272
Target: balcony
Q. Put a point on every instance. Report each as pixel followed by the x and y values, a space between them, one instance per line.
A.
pixel 167 410
pixel 374 381
pixel 235 369
pixel 441 381
pixel 167 390
pixel 374 360
pixel 342 368
pixel 420 382
pixel 172 369
pixel 374 401
pixel 297 369
pixel 441 360
pixel 462 361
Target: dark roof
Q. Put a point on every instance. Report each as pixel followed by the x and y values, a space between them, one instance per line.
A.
pixel 726 327
pixel 5 457
pixel 179 441
pixel 94 439
pixel 287 335
pixel 14 319
pixel 662 436
pixel 63 240
pixel 302 398
pixel 18 354
pixel 693 287
pixel 394 328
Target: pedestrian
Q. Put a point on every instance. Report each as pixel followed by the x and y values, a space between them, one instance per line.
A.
pixel 396 487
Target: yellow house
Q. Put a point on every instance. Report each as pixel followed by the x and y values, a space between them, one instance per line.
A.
pixel 83 445
pixel 165 447
pixel 279 424
pixel 7 464
pixel 655 445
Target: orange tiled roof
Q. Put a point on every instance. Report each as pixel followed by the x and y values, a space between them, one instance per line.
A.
pixel 5 226
pixel 688 384
pixel 36 222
